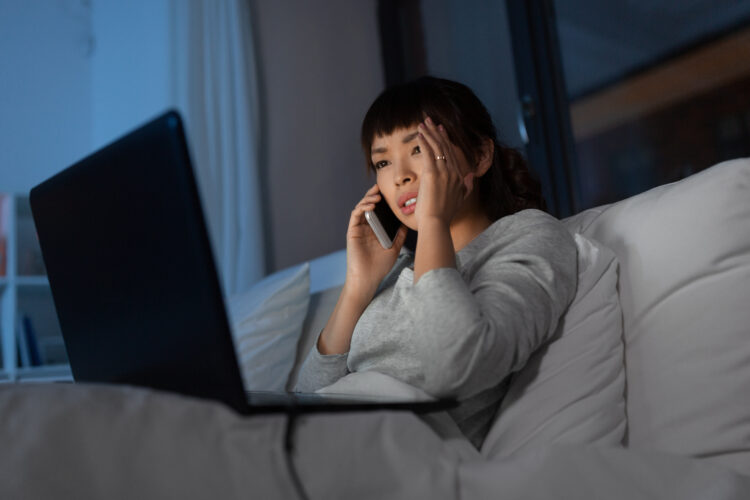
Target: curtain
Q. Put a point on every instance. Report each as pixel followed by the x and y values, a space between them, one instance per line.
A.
pixel 214 87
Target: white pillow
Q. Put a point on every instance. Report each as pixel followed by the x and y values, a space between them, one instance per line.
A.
pixel 266 324
pixel 322 304
pixel 684 253
pixel 572 390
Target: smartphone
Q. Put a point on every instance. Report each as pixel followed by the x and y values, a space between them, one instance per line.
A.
pixel 384 223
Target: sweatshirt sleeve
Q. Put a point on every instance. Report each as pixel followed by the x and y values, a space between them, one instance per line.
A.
pixel 320 370
pixel 471 331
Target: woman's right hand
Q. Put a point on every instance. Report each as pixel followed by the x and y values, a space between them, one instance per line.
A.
pixel 367 262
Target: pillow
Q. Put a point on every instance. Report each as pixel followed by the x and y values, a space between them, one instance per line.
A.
pixel 321 306
pixel 266 323
pixel 684 253
pixel 328 271
pixel 572 390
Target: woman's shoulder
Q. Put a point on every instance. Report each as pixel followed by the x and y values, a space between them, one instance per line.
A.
pixel 530 224
pixel 529 239
pixel 528 232
pixel 530 216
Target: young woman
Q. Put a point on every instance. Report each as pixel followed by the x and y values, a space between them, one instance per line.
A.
pixel 491 274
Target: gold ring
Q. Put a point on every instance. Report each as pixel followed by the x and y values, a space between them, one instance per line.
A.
pixel 440 157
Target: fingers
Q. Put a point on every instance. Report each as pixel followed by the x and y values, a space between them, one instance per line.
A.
pixel 372 196
pixel 426 149
pixel 433 140
pixel 449 149
pixel 437 143
pixel 440 145
pixel 358 213
pixel 367 203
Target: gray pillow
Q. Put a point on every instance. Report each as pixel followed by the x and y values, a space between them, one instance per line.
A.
pixel 321 306
pixel 684 253
pixel 266 323
pixel 572 390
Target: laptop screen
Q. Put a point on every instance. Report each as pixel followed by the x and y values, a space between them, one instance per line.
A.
pixel 131 269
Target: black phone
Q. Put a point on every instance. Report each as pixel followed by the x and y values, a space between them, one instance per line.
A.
pixel 385 225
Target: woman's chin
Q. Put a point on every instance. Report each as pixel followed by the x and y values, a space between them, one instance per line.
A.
pixel 409 221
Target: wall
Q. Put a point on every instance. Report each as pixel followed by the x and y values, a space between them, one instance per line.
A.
pixel 75 75
pixel 469 41
pixel 320 70
pixel 84 72
pixel 130 66
pixel 45 88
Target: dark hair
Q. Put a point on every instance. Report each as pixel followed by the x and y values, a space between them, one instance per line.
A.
pixel 506 188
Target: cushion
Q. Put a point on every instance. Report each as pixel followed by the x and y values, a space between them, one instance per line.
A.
pixel 572 390
pixel 328 271
pixel 81 441
pixel 684 253
pixel 266 324
pixel 322 304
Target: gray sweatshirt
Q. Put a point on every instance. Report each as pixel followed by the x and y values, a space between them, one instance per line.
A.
pixel 461 332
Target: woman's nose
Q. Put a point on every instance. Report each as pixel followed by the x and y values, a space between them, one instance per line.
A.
pixel 404 174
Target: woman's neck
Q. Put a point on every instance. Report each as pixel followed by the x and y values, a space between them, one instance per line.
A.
pixel 467 225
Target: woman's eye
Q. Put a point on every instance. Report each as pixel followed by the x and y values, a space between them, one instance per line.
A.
pixel 416 150
pixel 380 164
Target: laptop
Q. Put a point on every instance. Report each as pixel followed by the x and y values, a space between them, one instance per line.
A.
pixel 134 282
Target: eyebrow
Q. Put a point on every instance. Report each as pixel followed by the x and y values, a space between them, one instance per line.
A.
pixel 407 138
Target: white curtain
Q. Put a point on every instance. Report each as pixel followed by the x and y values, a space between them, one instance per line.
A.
pixel 214 87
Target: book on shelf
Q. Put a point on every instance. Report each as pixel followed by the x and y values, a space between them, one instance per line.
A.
pixel 28 343
pixel 3 256
pixel 53 350
pixel 5 201
pixel 29 257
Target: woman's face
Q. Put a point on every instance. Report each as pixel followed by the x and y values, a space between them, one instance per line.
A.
pixel 398 164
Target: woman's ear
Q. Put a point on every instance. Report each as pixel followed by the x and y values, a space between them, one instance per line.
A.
pixel 485 158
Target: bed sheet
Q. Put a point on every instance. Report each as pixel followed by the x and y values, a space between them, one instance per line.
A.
pixel 576 472
pixel 89 441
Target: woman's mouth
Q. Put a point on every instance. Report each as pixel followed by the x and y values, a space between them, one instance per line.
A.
pixel 409 206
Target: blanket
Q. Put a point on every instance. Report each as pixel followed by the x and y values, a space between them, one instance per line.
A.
pixel 95 441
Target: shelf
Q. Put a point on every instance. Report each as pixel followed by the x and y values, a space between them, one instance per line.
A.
pixel 45 373
pixel 32 281
pixel 27 310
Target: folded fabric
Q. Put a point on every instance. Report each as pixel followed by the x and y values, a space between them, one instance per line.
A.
pixel 572 390
pixel 684 252
pixel 376 384
pixel 266 324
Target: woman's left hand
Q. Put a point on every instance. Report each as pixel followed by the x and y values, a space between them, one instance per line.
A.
pixel 446 179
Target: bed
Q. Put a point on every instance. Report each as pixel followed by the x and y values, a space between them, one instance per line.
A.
pixel 643 392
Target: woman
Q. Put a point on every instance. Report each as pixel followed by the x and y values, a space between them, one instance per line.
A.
pixel 491 274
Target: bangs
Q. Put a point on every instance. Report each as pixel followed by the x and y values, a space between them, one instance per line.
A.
pixel 398 107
